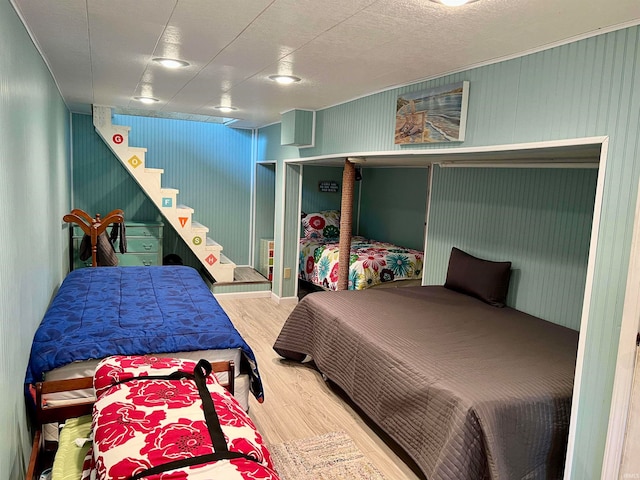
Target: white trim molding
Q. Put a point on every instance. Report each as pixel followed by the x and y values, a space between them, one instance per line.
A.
pixel 625 364
pixel 586 307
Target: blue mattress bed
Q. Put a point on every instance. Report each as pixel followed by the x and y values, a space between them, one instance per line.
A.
pixel 105 311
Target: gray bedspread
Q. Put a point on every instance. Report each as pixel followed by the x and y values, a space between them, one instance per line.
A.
pixel 470 391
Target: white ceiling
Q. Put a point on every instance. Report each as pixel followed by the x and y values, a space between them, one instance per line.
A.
pixel 100 51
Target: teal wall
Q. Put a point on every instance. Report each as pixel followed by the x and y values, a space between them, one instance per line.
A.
pixel 100 182
pixel 538 219
pixel 586 88
pixel 313 200
pixel 34 193
pixel 283 287
pixel 268 148
pixel 393 205
pixel 582 89
pixel 265 205
pixel 268 145
pixel 209 163
pixel 389 204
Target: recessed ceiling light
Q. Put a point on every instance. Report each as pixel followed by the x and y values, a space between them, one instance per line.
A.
pixel 225 109
pixel 170 62
pixel 284 79
pixel 146 99
pixel 454 3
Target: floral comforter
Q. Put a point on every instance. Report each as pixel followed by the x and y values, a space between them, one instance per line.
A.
pixel 371 263
pixel 178 423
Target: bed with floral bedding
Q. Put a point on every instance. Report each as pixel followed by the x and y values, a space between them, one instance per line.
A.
pixel 168 418
pixel 372 263
pixel 154 417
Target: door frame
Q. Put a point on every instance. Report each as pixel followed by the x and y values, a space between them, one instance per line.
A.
pixel 468 156
pixel 625 364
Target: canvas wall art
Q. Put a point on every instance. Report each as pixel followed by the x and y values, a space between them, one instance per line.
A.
pixel 431 116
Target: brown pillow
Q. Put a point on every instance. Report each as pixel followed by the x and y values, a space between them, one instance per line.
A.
pixel 483 279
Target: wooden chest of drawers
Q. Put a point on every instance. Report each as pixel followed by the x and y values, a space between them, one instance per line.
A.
pixel 144 245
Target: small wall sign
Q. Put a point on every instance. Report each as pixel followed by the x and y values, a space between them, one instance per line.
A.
pixel 328 186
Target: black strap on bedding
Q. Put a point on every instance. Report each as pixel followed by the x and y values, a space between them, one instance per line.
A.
pixel 188 462
pixel 200 373
pixel 202 370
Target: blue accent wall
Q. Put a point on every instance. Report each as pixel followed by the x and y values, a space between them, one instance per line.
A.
pixel 100 182
pixel 211 165
pixel 583 89
pixel 35 195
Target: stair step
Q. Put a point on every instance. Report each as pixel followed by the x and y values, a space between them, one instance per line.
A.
pixel 224 270
pixel 118 137
pixel 154 170
pixel 212 243
pixel 134 156
pixel 185 208
pixel 168 198
pixel 226 261
pixel 199 226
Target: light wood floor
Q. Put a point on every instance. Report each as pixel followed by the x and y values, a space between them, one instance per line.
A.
pixel 298 403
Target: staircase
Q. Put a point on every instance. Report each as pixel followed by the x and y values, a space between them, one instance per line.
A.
pixel 194 234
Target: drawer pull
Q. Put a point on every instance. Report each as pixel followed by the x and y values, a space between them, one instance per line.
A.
pixel 147 263
pixel 147 246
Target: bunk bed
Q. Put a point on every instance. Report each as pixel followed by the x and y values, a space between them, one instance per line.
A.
pixel 468 387
pixel 161 310
pixel 372 263
pixel 154 417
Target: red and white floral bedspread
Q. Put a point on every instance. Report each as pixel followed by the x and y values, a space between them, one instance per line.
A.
pixel 144 423
pixel 371 262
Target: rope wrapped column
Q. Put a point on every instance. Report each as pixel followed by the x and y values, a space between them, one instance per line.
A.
pixel 346 215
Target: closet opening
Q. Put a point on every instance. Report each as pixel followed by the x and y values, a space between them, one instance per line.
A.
pixel 487 179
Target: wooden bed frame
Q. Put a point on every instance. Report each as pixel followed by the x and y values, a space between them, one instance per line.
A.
pixel 42 452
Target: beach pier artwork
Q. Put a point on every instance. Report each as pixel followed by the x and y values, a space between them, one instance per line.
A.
pixel 434 115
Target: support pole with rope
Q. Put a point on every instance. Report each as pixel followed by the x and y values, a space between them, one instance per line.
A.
pixel 346 216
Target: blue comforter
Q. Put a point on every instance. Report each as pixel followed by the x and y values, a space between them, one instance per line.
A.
pixel 105 311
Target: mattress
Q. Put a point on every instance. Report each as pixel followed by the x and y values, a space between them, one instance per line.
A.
pixel 372 263
pixel 470 391
pixel 99 312
pixel 241 381
pixel 241 392
pixel 86 368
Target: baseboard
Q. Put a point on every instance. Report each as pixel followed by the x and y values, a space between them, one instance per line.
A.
pixel 257 294
pixel 284 300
